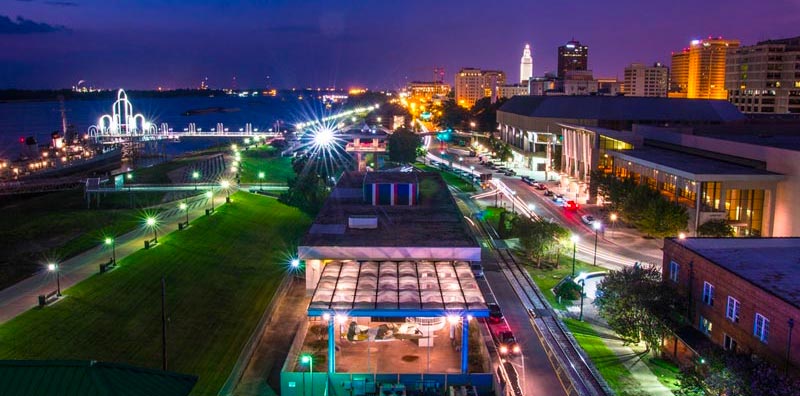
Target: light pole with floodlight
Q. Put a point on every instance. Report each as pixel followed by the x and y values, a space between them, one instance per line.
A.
pixel 261 176
pixel 583 285
pixel 613 219
pixel 596 225
pixel 113 242
pixel 210 196
pixel 184 207
pixel 225 185
pixel 308 359
pixel 52 267
pixel 574 239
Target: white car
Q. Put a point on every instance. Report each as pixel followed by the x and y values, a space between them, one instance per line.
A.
pixel 587 219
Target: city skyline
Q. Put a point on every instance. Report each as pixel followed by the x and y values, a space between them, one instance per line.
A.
pixel 56 44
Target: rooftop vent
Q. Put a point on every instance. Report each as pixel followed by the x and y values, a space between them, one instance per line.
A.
pixel 365 222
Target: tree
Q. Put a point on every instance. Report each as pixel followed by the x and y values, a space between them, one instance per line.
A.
pixel 638 305
pixel 715 228
pixel 537 237
pixel 403 145
pixel 662 218
pixel 453 115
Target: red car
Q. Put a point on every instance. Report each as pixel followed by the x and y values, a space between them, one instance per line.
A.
pixel 571 205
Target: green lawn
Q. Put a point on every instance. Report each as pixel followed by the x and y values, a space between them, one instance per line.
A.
pixel 220 275
pixel 265 159
pixel 609 365
pixel 547 278
pixel 450 178
pixel 667 372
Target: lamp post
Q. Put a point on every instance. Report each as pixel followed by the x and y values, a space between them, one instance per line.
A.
pixel 129 176
pixel 613 218
pixel 184 207
pixel 195 176
pixel 261 176
pixel 151 222
pixel 583 285
pixel 225 185
pixel 113 242
pixel 574 239
pixel 597 226
pixel 52 267
pixel 307 359
pixel 210 196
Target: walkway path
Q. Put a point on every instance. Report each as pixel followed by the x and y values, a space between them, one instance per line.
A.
pixel 23 295
pixel 632 360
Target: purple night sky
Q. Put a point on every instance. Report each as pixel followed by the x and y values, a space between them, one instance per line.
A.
pixel 376 44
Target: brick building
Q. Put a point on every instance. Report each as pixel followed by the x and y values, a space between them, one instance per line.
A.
pixel 743 294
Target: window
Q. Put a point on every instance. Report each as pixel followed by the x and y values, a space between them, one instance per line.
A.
pixel 705 325
pixel 674 269
pixel 708 294
pixel 732 312
pixel 761 328
pixel 729 343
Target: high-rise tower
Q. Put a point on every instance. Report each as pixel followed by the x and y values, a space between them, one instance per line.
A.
pixel 526 65
pixel 702 69
pixel 572 56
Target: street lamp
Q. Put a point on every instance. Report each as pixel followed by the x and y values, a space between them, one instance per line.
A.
pixel 183 206
pixel 682 235
pixel 151 222
pixel 195 176
pixel 113 242
pixel 583 285
pixel 309 360
pixel 210 196
pixel 261 176
pixel 225 185
pixel 574 239
pixel 472 124
pixel 597 226
pixel 52 267
pixel 613 219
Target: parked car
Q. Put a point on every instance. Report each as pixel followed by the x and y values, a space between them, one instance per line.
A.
pixel 558 198
pixel 548 193
pixel 540 186
pixel 495 314
pixel 477 270
pixel 509 172
pixel 587 219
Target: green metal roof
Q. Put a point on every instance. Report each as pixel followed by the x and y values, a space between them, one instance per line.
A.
pixel 88 378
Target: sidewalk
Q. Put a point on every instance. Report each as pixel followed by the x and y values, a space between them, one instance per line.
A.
pixel 632 360
pixel 23 295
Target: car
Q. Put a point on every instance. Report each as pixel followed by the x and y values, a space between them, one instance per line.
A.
pixel 587 219
pixel 509 172
pixel 548 193
pixel 477 270
pixel 540 186
pixel 508 344
pixel 495 314
pixel 571 205
pixel 558 198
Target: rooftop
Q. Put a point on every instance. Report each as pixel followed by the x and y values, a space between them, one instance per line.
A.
pixel 623 108
pixel 780 134
pixel 691 166
pixel 89 378
pixel 435 222
pixel 772 264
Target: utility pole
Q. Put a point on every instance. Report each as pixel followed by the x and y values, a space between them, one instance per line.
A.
pixel 163 324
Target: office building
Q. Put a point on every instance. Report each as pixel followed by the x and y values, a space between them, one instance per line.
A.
pixel 705 69
pixel 643 80
pixel 765 78
pixel 572 56
pixel 679 74
pixel 428 90
pixel 473 84
pixel 743 295
pixel 507 91
pixel 526 65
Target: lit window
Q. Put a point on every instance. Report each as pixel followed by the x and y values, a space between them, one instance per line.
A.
pixel 705 325
pixel 674 269
pixel 708 293
pixel 732 312
pixel 761 328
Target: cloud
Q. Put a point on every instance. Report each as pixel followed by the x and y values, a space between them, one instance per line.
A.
pixel 62 3
pixel 26 26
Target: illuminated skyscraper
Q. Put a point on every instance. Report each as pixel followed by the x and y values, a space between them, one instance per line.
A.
pixel 705 69
pixel 679 74
pixel 526 65
pixel 474 84
pixel 572 56
pixel 765 77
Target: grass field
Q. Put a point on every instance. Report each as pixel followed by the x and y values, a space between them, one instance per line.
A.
pixel 449 178
pixel 609 365
pixel 547 278
pixel 265 159
pixel 220 274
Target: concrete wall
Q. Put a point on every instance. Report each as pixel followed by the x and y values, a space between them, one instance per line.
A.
pixel 752 299
pixel 292 383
